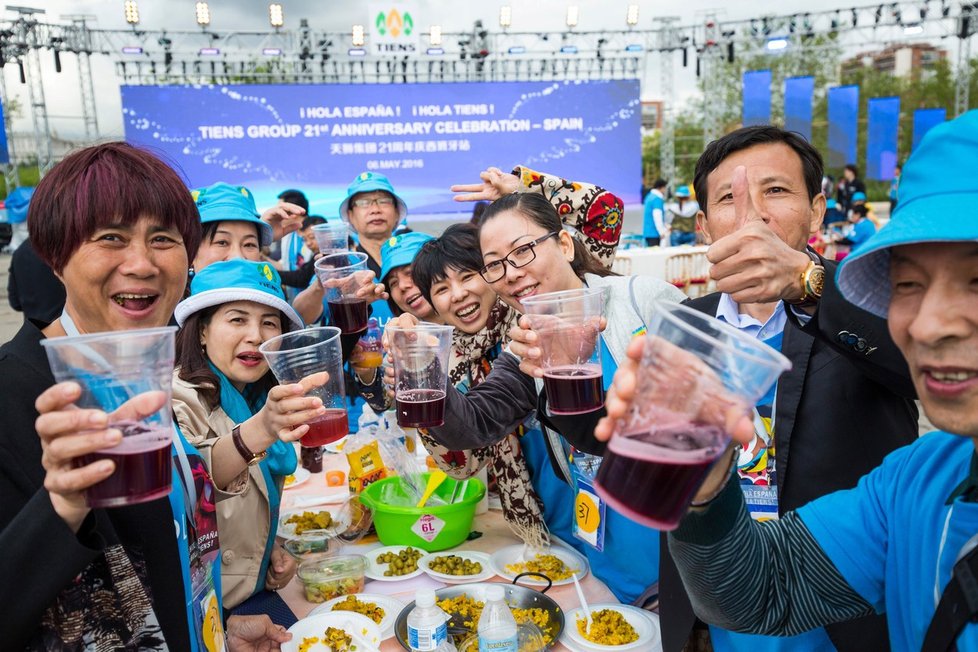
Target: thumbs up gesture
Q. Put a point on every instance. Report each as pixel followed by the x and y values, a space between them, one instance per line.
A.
pixel 753 264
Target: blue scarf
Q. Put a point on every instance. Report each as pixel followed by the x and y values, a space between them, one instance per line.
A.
pixel 278 463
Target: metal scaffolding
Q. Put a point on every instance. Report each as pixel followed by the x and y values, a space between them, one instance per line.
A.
pixel 668 42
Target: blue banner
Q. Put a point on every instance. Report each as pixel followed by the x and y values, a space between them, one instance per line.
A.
pixel 924 120
pixel 843 122
pixel 4 153
pixel 424 137
pixel 881 138
pixel 757 97
pixel 798 92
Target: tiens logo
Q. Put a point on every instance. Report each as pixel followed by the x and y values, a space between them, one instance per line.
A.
pixel 394 22
pixel 267 272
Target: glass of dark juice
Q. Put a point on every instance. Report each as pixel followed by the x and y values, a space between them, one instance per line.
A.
pixel 420 357
pixel 113 368
pixel 293 356
pixel 567 324
pixel 342 274
pixel 697 377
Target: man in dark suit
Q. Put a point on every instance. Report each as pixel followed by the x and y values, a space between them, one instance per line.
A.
pixel 846 402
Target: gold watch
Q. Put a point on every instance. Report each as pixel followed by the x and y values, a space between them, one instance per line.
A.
pixel 812 283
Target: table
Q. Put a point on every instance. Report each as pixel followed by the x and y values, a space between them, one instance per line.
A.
pixel 495 535
pixel 684 266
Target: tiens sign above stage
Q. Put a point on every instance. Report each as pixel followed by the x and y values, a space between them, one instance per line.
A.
pixel 394 29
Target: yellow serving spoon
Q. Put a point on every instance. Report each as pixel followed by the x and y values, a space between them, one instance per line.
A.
pixel 434 481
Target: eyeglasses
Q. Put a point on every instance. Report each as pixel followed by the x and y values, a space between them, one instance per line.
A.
pixel 367 203
pixel 519 257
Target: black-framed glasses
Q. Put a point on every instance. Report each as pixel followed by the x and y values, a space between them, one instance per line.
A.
pixel 367 203
pixel 519 257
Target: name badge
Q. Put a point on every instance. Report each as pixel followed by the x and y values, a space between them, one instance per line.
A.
pixel 589 515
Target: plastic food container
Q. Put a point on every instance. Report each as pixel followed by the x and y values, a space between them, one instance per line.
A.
pixel 332 577
pixel 430 528
pixel 310 545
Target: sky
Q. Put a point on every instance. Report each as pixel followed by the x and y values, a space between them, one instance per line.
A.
pixel 62 92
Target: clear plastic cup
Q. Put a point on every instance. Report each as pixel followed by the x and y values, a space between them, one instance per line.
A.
pixel 569 330
pixel 342 274
pixel 420 356
pixel 332 238
pixel 298 354
pixel 697 378
pixel 113 368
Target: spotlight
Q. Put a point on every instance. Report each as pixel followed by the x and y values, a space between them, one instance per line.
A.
pixel 203 13
pixel 276 15
pixel 913 29
pixel 517 49
pixel 573 14
pixel 434 35
pixel 777 43
pixel 357 36
pixel 505 16
pixel 879 15
pixel 631 17
pixel 855 17
pixel 132 12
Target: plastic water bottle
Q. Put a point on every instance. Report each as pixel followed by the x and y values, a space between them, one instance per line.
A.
pixel 427 625
pixel 497 627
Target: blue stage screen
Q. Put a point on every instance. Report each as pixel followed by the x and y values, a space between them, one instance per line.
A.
pixel 881 139
pixel 757 97
pixel 924 120
pixel 424 137
pixel 798 93
pixel 843 122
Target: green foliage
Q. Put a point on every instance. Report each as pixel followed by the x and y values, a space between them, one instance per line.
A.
pixel 29 175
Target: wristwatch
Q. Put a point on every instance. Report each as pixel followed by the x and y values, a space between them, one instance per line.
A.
pixel 812 282
pixel 250 458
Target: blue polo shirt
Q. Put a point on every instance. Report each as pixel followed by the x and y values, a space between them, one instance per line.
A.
pixel 895 538
pixel 653 202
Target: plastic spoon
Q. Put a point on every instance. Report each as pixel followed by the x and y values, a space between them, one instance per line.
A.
pixel 434 481
pixel 362 644
pixel 580 596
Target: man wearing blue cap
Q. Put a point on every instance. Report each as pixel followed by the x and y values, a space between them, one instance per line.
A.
pixel 373 210
pixel 682 218
pixel 903 541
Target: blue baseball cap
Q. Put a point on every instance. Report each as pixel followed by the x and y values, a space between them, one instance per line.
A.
pixel 17 203
pixel 369 182
pixel 830 204
pixel 235 280
pixel 401 250
pixel 223 202
pixel 683 191
pixel 937 185
pixel 858 196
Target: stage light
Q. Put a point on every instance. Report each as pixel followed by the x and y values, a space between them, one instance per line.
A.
pixel 357 36
pixel 505 16
pixel 631 17
pixel 879 15
pixel 777 43
pixel 634 47
pixel 276 15
pixel 357 52
pixel 913 28
pixel 203 13
pixel 434 35
pixel 573 14
pixel 517 49
pixel 132 49
pixel 132 12
pixel 435 52
pixel 272 52
pixel 568 49
pixel 208 52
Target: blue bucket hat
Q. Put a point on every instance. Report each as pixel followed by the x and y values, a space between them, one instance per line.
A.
pixel 17 203
pixel 683 191
pixel 400 250
pixel 937 185
pixel 369 182
pixel 223 202
pixel 830 204
pixel 858 196
pixel 235 280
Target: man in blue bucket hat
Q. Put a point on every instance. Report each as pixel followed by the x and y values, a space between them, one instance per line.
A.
pixel 903 541
pixel 374 211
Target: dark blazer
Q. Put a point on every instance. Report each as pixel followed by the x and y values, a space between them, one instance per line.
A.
pixel 844 405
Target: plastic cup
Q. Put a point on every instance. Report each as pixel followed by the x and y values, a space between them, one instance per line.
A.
pixel 568 325
pixel 342 274
pixel 113 368
pixel 298 354
pixel 333 237
pixel 420 356
pixel 697 378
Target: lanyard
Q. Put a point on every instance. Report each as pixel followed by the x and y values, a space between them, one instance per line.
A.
pixel 68 324
pixel 187 480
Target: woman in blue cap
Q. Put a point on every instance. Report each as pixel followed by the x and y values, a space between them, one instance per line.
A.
pixel 229 406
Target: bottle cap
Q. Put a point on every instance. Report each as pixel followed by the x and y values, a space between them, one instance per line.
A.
pixel 424 598
pixel 495 592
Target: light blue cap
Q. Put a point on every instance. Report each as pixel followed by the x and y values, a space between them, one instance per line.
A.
pixel 370 182
pixel 683 191
pixel 235 280
pixel 937 187
pixel 401 250
pixel 858 196
pixel 223 202
pixel 831 203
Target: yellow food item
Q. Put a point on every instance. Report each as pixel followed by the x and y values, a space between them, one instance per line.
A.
pixel 328 589
pixel 310 521
pixel 549 565
pixel 289 479
pixel 337 640
pixel 465 610
pixel 368 609
pixel 307 643
pixel 608 627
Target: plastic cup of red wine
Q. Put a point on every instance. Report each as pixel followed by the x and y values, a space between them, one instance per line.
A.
pixel 332 238
pixel 293 356
pixel 697 377
pixel 342 274
pixel 567 324
pixel 420 358
pixel 113 368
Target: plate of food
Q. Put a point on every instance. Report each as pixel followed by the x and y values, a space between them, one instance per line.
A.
pixel 297 478
pixel 393 563
pixel 335 631
pixel 614 627
pixel 293 523
pixel 381 609
pixel 457 566
pixel 336 446
pixel 559 564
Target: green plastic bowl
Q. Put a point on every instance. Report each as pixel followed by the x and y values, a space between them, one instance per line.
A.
pixel 429 528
